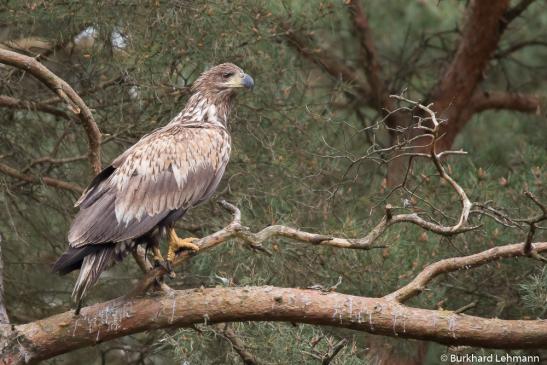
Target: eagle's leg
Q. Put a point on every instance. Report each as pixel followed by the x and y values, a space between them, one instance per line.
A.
pixel 78 307
pixel 176 243
pixel 152 241
pixel 158 258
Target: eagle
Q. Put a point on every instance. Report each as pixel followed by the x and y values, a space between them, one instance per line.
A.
pixel 138 198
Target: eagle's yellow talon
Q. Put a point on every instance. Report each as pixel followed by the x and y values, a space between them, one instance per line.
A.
pixel 176 243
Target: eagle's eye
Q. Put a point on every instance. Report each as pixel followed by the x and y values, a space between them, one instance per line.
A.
pixel 227 75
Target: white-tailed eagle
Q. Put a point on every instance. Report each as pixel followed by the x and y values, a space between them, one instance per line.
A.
pixel 138 198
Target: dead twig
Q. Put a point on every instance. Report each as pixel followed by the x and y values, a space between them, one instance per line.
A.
pixel 532 222
pixel 329 356
pixel 237 344
pixel 452 264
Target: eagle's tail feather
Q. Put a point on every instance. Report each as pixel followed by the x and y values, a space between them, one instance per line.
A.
pixel 92 260
pixel 72 259
pixel 92 267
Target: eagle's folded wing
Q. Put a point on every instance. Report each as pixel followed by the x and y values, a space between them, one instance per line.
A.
pixel 165 171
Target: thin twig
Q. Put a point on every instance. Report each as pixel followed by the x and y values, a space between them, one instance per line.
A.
pixel 334 351
pixel 237 343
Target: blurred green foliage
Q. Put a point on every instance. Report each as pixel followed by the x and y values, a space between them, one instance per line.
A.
pixel 290 165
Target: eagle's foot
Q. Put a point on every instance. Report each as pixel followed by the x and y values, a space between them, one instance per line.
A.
pixel 175 244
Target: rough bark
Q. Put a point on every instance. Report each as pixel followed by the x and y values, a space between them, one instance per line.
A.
pixel 102 322
pixel 479 40
pixel 126 315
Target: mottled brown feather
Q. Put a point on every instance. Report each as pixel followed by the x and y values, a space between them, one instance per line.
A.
pixel 158 179
pixel 165 171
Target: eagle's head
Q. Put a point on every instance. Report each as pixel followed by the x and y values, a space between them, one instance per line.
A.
pixel 223 79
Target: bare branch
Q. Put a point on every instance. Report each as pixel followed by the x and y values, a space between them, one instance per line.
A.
pixel 236 230
pixel 518 46
pixel 56 183
pixel 498 100
pixel 101 86
pixel 139 255
pixel 514 13
pixel 238 344
pixel 435 157
pixel 13 103
pixel 65 332
pixel 334 351
pixel 532 222
pixel 64 91
pixel 419 283
pixel 466 307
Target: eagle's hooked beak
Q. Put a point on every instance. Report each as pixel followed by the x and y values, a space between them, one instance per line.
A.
pixel 240 80
pixel 247 82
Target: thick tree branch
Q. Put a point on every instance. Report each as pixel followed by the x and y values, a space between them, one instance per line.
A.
pixel 120 317
pixel 372 66
pixel 65 91
pixel 56 183
pixel 479 40
pixel 418 285
pixel 482 101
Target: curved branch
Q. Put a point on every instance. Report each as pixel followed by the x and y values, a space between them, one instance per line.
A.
pixel 419 283
pixel 236 230
pixel 436 159
pixel 64 332
pixel 65 91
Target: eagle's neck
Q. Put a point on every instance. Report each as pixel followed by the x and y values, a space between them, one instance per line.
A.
pixel 204 109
